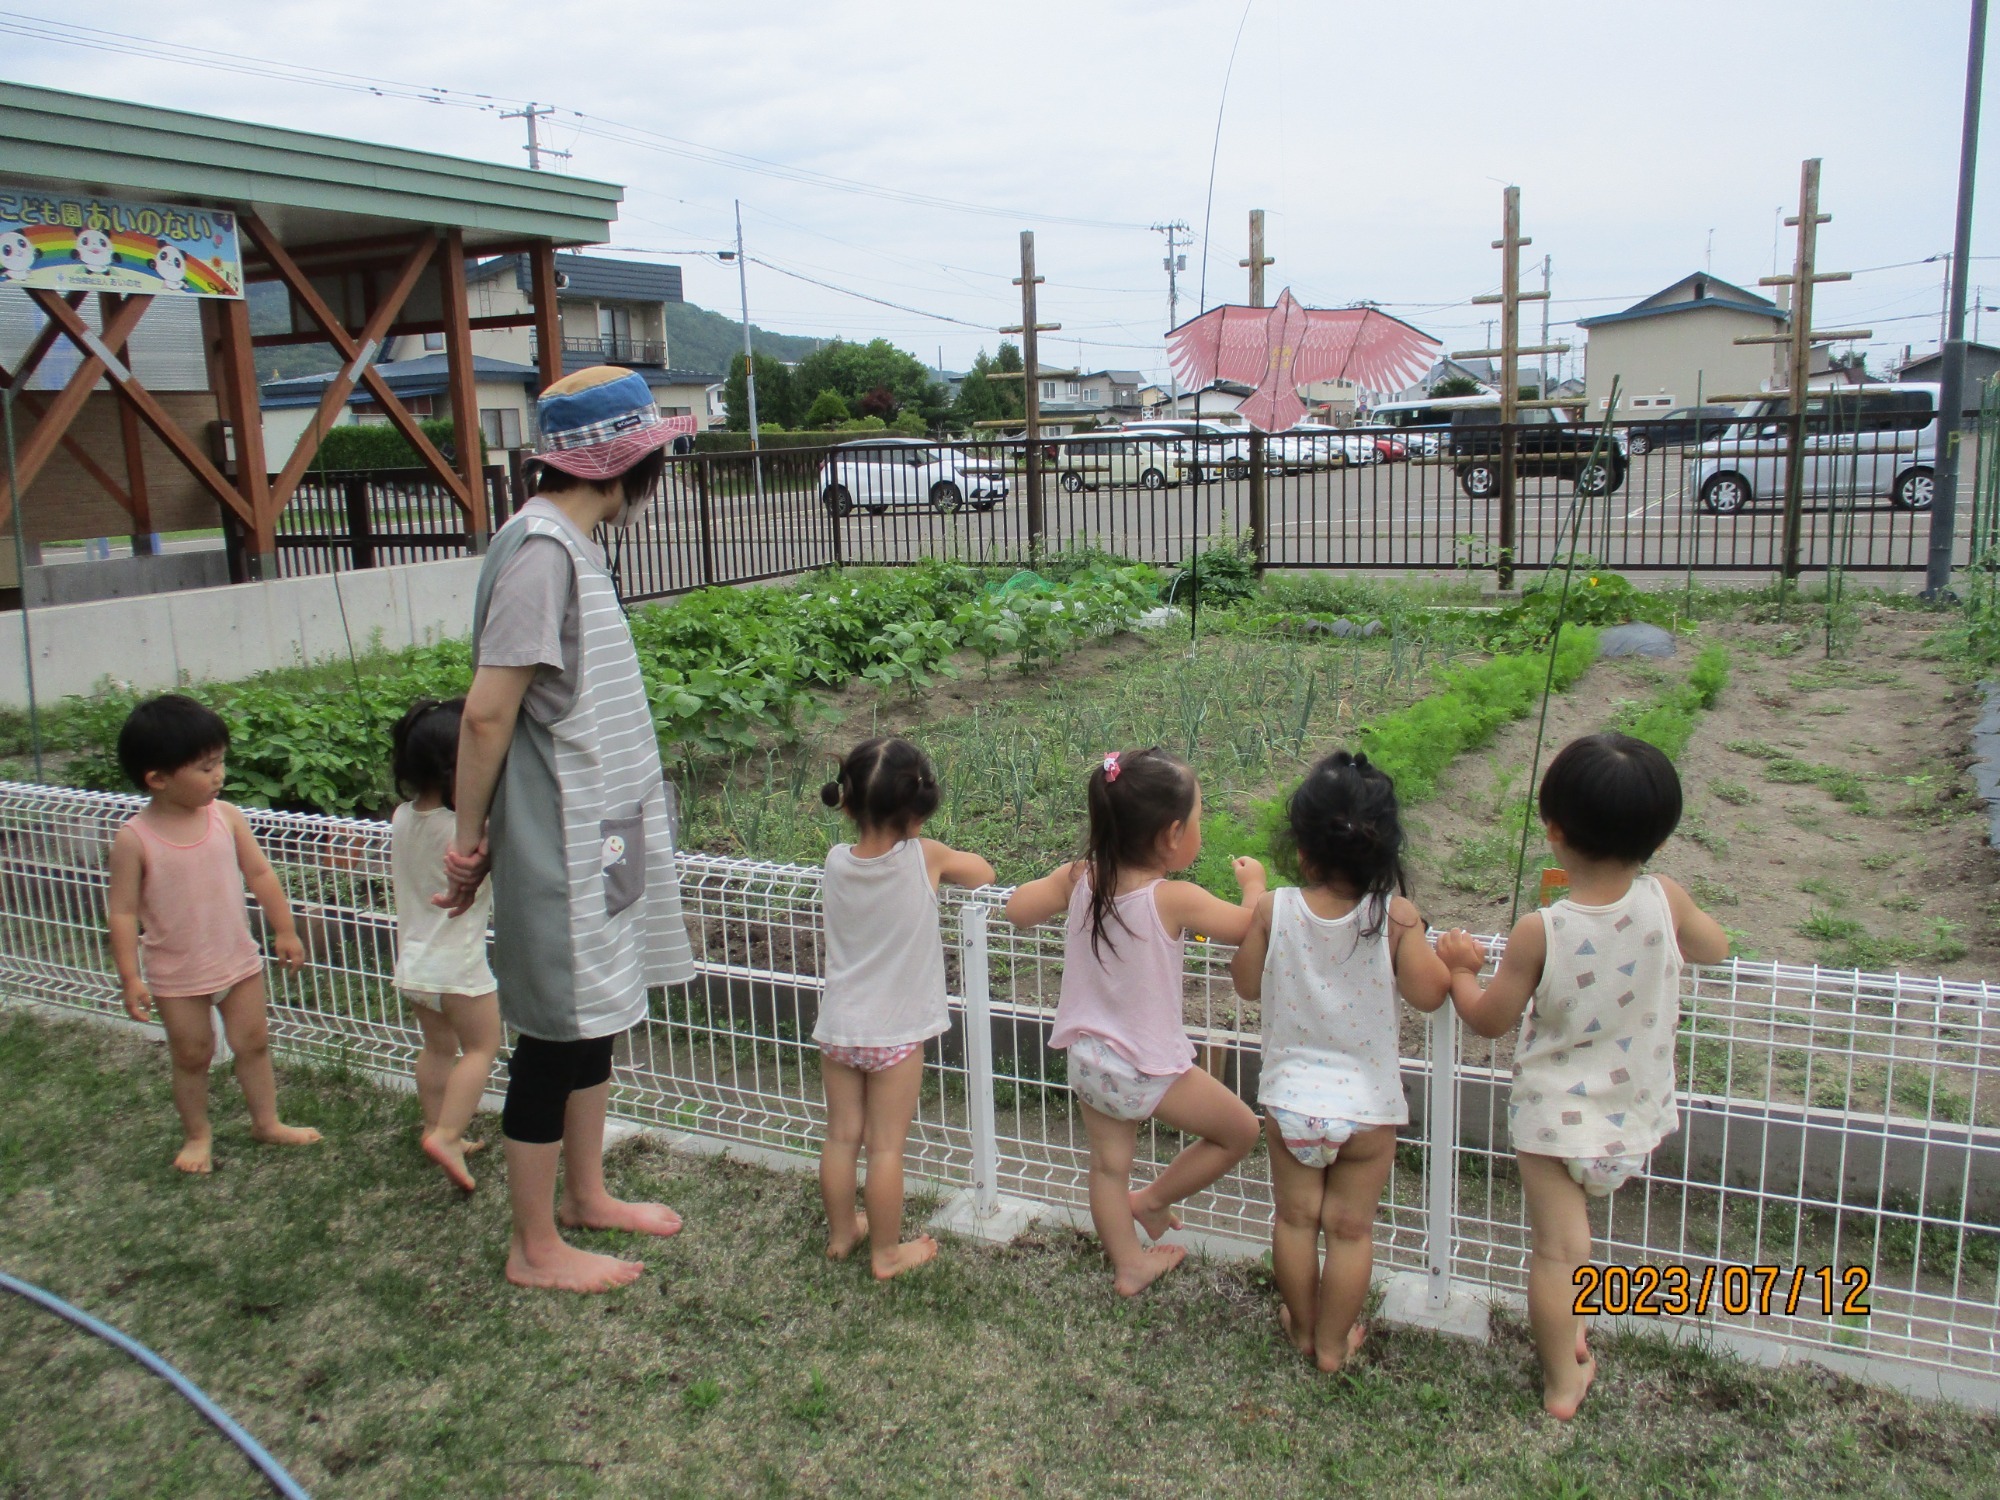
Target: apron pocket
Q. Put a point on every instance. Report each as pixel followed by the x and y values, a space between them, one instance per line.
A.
pixel 622 858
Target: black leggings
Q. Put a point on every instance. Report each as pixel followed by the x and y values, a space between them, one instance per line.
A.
pixel 541 1076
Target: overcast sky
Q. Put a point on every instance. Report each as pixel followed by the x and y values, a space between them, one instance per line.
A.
pixel 1377 138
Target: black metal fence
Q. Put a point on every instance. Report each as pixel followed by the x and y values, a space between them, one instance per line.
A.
pixel 1646 498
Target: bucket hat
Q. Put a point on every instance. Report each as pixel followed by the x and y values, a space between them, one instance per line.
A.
pixel 599 422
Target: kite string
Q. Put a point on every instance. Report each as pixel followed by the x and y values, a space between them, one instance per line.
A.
pixel 1215 149
pixel 1598 463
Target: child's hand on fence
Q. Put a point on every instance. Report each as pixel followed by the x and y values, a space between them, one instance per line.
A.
pixel 1249 874
pixel 1461 951
pixel 291 951
pixel 138 1000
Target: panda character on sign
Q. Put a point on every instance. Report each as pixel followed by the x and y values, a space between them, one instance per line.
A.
pixel 17 256
pixel 171 267
pixel 93 249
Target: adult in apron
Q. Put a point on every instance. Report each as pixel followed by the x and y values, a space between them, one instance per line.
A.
pixel 561 797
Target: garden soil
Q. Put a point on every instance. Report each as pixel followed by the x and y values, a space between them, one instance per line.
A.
pixel 1898 875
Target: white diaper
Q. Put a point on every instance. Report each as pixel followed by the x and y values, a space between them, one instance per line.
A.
pixel 1110 1083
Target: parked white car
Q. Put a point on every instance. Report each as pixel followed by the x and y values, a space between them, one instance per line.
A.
pixel 1860 441
pixel 879 474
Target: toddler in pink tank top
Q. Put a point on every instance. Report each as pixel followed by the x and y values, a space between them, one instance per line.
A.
pixel 1120 1015
pixel 180 934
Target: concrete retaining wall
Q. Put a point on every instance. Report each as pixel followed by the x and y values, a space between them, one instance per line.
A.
pixel 157 641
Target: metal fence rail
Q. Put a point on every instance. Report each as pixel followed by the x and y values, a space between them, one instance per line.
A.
pixel 1830 1118
pixel 374 518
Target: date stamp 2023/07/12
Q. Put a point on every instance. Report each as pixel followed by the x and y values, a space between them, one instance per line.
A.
pixel 1675 1291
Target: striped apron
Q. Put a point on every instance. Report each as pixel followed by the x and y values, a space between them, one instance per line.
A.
pixel 586 897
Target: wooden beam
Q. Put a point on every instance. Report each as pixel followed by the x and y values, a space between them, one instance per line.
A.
pixel 150 411
pixel 548 318
pixel 55 421
pixel 38 406
pixel 247 422
pixel 463 384
pixel 38 348
pixel 138 500
pixel 381 316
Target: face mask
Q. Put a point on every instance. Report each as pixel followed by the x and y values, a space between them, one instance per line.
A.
pixel 630 511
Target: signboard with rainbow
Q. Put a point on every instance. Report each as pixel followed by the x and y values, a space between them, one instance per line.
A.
pixel 79 244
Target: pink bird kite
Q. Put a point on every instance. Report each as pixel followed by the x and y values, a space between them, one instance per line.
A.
pixel 1277 349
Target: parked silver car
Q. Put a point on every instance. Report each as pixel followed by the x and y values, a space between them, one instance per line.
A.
pixel 1868 440
pixel 878 474
pixel 1090 462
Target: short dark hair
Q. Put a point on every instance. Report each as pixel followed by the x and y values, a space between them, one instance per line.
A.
pixel 1342 825
pixel 645 475
pixel 1613 797
pixel 168 732
pixel 884 783
pixel 425 740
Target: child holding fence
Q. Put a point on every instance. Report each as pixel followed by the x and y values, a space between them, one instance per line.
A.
pixel 1598 976
pixel 885 990
pixel 180 934
pixel 1120 1015
pixel 440 957
pixel 1327 960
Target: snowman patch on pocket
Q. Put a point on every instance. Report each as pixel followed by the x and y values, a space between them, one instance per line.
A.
pixel 622 861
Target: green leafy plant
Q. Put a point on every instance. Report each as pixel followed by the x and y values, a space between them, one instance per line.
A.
pixel 1669 720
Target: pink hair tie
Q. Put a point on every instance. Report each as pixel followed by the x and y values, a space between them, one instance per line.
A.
pixel 1111 767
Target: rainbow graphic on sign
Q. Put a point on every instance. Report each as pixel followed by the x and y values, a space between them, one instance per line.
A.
pixel 73 244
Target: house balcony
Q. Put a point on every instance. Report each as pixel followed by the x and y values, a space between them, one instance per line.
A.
pixel 609 349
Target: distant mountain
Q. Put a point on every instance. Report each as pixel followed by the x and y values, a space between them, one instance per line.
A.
pixel 270 313
pixel 698 339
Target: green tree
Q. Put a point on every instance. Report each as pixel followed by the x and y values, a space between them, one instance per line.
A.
pixel 875 377
pixel 827 410
pixel 984 400
pixel 1451 385
pixel 776 401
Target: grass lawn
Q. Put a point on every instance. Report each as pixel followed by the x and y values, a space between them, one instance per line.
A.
pixel 346 1307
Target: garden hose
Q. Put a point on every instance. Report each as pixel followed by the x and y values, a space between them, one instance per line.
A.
pixel 271 1469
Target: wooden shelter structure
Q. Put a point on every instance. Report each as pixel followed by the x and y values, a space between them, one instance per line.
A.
pixel 370 242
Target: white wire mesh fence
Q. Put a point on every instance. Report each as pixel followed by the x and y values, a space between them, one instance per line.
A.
pixel 1839 1147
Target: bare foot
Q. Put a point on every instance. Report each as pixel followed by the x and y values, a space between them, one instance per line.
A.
pixel 1303 1345
pixel 195 1157
pixel 471 1146
pixel 1563 1404
pixel 282 1134
pixel 615 1213
pixel 1152 1264
pixel 1157 1222
pixel 568 1269
pixel 906 1257
pixel 1582 1349
pixel 451 1156
pixel 1356 1337
pixel 839 1247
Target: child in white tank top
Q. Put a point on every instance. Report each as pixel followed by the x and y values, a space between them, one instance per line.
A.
pixel 1120 1015
pixel 884 990
pixel 1598 976
pixel 1326 961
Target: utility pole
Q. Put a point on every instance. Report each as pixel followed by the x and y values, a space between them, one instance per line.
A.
pixel 1510 297
pixel 749 355
pixel 1176 262
pixel 1255 263
pixel 1951 395
pixel 1800 340
pixel 1542 389
pixel 1031 385
pixel 535 149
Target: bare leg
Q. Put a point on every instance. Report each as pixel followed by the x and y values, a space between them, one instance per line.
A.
pixel 1559 1223
pixel 537 1255
pixel 1354 1185
pixel 244 1023
pixel 1133 1268
pixel 586 1202
pixel 1299 1193
pixel 474 1022
pixel 1196 1105
pixel 190 1025
pixel 434 1060
pixel 845 1125
pixel 891 1097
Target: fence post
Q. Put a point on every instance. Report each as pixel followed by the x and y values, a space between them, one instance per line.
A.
pixel 1441 1124
pixel 1508 449
pixel 1795 444
pixel 974 976
pixel 359 530
pixel 702 520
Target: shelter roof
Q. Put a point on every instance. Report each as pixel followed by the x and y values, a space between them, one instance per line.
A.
pixel 310 188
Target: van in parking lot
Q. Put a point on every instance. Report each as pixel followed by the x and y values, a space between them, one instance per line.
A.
pixel 1086 463
pixel 1869 440
pixel 1424 427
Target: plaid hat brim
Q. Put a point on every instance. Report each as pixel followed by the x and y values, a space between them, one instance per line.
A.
pixel 613 456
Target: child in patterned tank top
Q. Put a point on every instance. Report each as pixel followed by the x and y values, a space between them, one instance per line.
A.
pixel 178 872
pixel 1598 976
pixel 1326 960
pixel 884 995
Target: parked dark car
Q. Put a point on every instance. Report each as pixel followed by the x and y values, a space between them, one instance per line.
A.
pixel 1680 427
pixel 1542 445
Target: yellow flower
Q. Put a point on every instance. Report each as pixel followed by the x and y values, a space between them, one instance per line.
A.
pixel 1593 583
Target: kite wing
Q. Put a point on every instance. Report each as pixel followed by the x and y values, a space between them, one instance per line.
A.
pixel 1368 348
